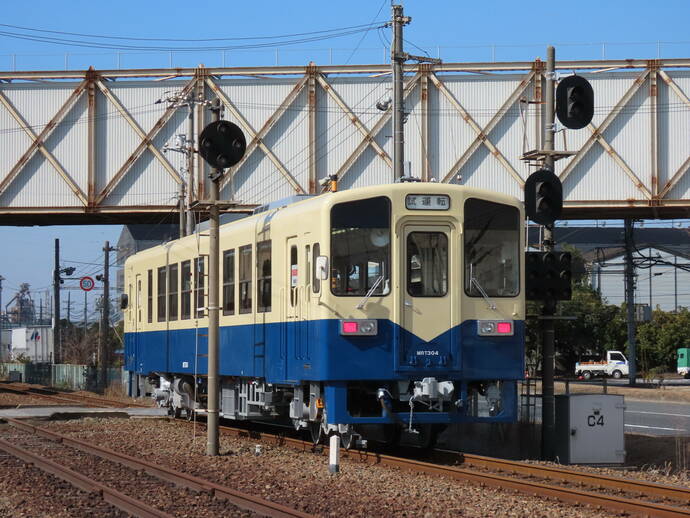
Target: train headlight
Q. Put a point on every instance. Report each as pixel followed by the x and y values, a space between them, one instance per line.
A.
pixel 358 327
pixel 495 327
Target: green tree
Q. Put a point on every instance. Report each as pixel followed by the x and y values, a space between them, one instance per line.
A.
pixel 658 339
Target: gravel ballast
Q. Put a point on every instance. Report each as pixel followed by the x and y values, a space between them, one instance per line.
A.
pixel 302 481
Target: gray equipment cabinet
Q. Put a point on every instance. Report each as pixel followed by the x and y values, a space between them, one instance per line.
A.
pixel 590 429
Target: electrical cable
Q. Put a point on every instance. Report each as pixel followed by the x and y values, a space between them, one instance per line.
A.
pixel 98 45
pixel 131 38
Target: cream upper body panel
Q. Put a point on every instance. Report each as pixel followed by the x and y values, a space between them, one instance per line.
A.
pixel 304 224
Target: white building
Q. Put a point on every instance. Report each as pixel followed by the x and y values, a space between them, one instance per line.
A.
pixel 34 343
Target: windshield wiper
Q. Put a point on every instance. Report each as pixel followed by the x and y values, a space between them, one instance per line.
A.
pixel 473 280
pixel 370 292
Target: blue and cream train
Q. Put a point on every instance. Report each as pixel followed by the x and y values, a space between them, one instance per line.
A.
pixel 392 307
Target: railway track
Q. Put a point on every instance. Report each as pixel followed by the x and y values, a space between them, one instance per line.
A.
pixel 641 498
pixel 86 465
pixel 64 397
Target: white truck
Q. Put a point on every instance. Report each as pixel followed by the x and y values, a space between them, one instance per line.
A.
pixel 614 364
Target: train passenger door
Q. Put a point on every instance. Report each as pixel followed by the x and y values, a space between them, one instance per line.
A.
pixel 293 306
pixel 426 306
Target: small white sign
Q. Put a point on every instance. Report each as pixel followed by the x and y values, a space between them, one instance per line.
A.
pixel 427 202
pixel 185 365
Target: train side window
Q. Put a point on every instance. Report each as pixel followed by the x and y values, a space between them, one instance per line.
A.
pixel 173 283
pixel 186 289
pixel 245 278
pixel 263 276
pixel 149 297
pixel 307 267
pixel 229 282
pixel 162 271
pixel 130 310
pixel 294 275
pixel 315 281
pixel 138 310
pixel 200 284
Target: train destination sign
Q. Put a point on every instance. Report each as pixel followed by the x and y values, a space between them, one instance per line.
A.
pixel 427 202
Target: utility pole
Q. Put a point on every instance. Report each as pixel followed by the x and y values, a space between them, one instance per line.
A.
pixel 190 164
pixel 213 313
pixel 398 58
pixel 105 316
pixel 548 415
pixel 56 305
pixel 630 301
pixel 1 306
pixel 184 144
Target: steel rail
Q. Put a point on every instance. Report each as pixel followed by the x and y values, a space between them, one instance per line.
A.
pixel 530 488
pixel 238 498
pixel 569 475
pixel 112 496
pixel 73 398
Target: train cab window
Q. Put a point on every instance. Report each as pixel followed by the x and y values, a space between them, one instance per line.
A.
pixel 263 277
pixel 162 273
pixel 427 264
pixel 172 291
pixel 245 278
pixel 360 247
pixel 186 291
pixel 149 297
pixel 315 281
pixel 200 284
pixel 492 249
pixel 229 282
pixel 294 275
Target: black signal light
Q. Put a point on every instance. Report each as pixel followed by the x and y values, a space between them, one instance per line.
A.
pixel 574 102
pixel 543 197
pixel 548 276
pixel 222 144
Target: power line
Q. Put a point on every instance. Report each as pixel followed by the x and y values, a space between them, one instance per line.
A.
pixel 132 38
pixel 109 46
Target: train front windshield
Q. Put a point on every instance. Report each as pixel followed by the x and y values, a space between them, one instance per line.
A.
pixel 491 249
pixel 360 247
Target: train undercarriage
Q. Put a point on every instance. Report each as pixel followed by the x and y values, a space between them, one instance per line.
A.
pixel 415 411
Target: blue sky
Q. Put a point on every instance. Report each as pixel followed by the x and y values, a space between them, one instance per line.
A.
pixel 498 30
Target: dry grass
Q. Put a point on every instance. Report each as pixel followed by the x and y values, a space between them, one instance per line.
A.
pixel 670 393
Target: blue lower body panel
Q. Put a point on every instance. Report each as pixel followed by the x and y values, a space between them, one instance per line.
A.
pixel 292 353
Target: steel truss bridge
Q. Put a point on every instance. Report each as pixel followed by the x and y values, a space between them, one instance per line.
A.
pixel 88 146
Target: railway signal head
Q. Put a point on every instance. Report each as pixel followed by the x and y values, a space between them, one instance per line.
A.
pixel 222 144
pixel 548 276
pixel 543 197
pixel 574 102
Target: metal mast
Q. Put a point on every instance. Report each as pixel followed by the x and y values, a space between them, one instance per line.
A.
pixel 398 58
pixel 549 309
pixel 213 302
pixel 56 305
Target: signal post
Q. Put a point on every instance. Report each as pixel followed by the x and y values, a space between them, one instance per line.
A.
pixel 222 145
pixel 548 275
